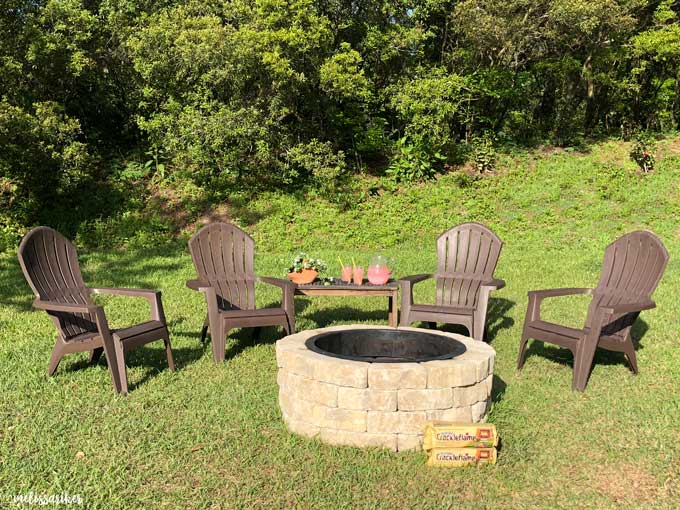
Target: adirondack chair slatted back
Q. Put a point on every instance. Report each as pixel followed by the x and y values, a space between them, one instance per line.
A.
pixel 466 256
pixel 223 256
pixel 50 264
pixel 632 268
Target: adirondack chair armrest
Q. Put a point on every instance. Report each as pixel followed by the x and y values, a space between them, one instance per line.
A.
pixel 624 308
pixel 536 297
pixel 197 284
pixel 53 306
pixel 406 284
pixel 494 284
pixel 548 293
pixel 286 286
pixel 145 293
pixel 412 280
pixel 152 296
pixel 278 282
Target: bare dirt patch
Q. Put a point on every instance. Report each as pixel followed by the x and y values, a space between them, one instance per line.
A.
pixel 219 213
pixel 626 483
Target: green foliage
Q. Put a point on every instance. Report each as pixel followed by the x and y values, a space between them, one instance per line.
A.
pixel 304 261
pixel 642 152
pixel 342 77
pixel 305 96
pixel 431 105
pixel 413 161
pixel 317 164
pixel 483 153
pixel 42 162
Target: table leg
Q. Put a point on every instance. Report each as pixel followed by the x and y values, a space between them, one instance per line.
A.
pixel 392 310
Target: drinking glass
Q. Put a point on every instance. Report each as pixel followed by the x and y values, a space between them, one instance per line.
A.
pixel 346 275
pixel 358 275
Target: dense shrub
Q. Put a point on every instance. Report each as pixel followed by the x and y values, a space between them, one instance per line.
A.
pixel 244 94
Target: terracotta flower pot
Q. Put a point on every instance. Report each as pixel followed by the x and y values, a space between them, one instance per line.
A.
pixel 305 276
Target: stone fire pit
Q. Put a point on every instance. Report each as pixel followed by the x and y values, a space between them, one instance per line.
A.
pixel 377 386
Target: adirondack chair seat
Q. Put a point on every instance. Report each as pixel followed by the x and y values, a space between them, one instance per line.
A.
pixel 131 335
pixel 546 330
pixel 258 312
pixel 223 257
pixel 466 259
pixel 465 310
pixel 632 268
pixel 50 264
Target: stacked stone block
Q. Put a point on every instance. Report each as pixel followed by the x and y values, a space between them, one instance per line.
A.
pixel 379 404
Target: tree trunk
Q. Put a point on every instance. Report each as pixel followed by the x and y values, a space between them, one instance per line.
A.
pixel 590 120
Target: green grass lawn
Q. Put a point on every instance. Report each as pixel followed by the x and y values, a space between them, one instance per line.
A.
pixel 211 436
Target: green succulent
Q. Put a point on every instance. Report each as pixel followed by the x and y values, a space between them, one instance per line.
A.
pixel 303 261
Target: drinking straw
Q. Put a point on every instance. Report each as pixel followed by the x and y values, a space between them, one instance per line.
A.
pixel 354 265
pixel 340 260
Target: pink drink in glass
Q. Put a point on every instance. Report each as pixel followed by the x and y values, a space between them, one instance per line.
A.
pixel 378 275
pixel 378 272
pixel 346 274
pixel 358 275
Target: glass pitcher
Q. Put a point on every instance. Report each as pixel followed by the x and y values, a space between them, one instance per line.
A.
pixel 378 270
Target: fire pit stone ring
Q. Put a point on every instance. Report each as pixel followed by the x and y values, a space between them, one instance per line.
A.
pixel 362 385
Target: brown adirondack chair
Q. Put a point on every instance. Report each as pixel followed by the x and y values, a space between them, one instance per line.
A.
pixel 50 264
pixel 466 259
pixel 632 268
pixel 223 257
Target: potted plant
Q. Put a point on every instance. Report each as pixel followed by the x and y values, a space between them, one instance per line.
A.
pixel 305 269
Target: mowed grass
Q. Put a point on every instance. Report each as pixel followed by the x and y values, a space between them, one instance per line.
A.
pixel 211 436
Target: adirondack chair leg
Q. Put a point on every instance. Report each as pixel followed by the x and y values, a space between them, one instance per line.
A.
pixel 219 345
pixel 629 351
pixel 479 317
pixel 110 354
pixel 405 308
pixel 478 327
pixel 204 331
pixel 120 362
pixel 168 351
pixel 55 358
pixel 289 325
pixel 521 358
pixel 404 318
pixel 95 354
pixel 583 362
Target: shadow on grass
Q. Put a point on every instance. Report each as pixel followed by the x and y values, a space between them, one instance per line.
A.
pixel 498 389
pixel 249 337
pixel 152 359
pixel 239 339
pixel 602 357
pixel 328 316
pixel 496 320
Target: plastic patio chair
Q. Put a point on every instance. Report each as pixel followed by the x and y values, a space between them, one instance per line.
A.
pixel 50 264
pixel 632 268
pixel 466 259
pixel 223 256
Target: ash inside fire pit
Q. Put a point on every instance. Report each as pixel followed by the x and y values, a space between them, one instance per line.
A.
pixel 385 345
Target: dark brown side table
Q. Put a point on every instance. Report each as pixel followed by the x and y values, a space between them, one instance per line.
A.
pixel 339 288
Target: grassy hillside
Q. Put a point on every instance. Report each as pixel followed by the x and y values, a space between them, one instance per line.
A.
pixel 211 436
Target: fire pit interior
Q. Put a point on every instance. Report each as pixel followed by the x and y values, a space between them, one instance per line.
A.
pixel 377 386
pixel 385 345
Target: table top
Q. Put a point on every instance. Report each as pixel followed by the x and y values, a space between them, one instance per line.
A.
pixel 338 284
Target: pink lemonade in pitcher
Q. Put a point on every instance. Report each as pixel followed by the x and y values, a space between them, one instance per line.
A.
pixel 378 272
